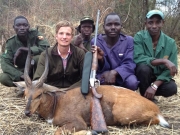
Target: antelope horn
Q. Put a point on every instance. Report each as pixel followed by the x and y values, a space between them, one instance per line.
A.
pixel 45 73
pixel 27 67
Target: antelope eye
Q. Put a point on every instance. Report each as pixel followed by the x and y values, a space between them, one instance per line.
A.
pixel 39 96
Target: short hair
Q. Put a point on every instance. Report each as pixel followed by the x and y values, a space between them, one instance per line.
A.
pixel 111 14
pixel 21 17
pixel 64 24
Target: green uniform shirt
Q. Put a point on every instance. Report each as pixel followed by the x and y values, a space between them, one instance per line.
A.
pixel 12 45
pixel 144 53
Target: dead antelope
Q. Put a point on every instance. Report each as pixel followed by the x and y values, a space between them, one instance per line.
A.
pixel 70 110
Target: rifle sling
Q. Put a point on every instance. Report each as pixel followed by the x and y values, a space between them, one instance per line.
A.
pixel 86 73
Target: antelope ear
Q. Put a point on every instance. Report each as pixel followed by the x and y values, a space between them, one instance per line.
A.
pixel 20 85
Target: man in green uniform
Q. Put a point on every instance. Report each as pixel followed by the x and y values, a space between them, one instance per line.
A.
pixel 14 57
pixel 155 54
pixel 85 29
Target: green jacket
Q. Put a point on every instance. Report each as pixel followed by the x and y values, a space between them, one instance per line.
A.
pixel 57 76
pixel 87 44
pixel 143 52
pixel 12 45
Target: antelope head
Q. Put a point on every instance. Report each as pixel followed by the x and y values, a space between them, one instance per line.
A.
pixel 34 89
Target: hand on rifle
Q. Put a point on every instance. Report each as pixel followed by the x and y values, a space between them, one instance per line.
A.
pixel 18 52
pixel 109 77
pixel 100 53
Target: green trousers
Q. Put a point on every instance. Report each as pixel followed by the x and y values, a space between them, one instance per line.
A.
pixel 7 81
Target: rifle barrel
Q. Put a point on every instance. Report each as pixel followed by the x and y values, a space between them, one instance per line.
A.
pixel 94 62
pixel 96 30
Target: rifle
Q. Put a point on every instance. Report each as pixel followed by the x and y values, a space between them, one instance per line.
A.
pixel 98 123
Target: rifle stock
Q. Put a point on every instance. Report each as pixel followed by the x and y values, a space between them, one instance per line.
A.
pixel 98 123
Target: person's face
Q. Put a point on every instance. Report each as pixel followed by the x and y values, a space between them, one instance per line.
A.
pixel 64 36
pixel 21 27
pixel 112 26
pixel 86 29
pixel 154 25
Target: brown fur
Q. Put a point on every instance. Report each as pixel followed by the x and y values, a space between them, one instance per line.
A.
pixel 72 111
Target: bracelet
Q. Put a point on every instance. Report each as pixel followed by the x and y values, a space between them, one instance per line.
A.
pixel 154 86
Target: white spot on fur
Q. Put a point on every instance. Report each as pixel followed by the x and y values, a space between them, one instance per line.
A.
pixel 162 121
pixel 50 121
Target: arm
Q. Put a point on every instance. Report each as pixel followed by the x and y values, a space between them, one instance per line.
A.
pixel 103 64
pixel 100 55
pixel 171 66
pixel 141 53
pixel 168 65
pixel 40 67
pixel 7 64
pixel 126 66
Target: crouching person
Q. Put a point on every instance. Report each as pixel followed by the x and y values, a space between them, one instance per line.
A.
pixel 115 58
pixel 155 54
pixel 65 60
pixel 14 57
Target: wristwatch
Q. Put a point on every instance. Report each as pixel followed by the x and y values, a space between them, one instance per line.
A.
pixel 154 86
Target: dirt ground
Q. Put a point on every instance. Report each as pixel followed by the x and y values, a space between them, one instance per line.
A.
pixel 14 122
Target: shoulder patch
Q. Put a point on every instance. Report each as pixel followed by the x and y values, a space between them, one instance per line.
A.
pixel 40 37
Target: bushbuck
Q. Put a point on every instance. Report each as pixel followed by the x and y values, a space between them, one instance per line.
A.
pixel 71 110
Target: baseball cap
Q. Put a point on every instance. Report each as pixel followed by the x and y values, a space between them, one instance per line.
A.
pixel 155 12
pixel 86 18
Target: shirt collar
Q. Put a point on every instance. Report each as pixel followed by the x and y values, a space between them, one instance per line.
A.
pixel 60 52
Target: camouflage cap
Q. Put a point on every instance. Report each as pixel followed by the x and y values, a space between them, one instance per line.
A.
pixel 86 18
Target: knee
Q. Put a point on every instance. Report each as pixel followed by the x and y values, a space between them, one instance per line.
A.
pixel 143 69
pixel 6 80
pixel 132 83
pixel 171 90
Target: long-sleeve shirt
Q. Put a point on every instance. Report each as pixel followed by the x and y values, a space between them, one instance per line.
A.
pixel 59 76
pixel 119 57
pixel 12 45
pixel 166 49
